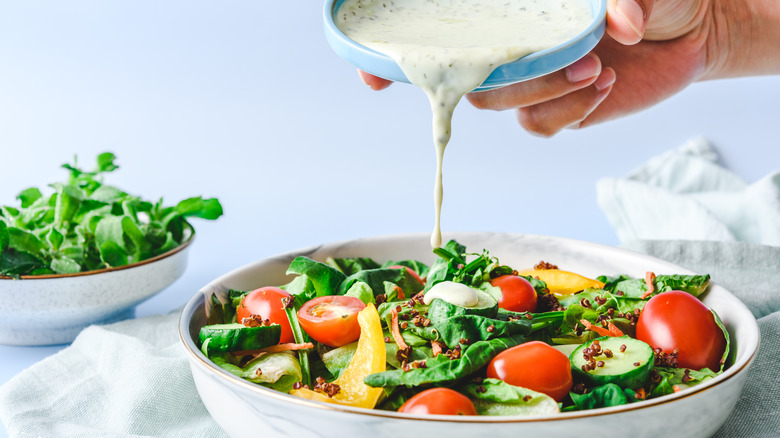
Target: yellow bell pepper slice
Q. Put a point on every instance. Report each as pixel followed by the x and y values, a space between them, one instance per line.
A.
pixel 562 282
pixel 370 357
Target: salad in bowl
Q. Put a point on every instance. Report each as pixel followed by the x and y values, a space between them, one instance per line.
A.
pixel 466 336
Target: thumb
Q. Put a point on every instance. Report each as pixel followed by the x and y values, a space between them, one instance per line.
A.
pixel 627 19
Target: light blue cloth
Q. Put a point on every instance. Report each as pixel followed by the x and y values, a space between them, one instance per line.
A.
pixel 129 379
pixel 685 194
pixel 685 208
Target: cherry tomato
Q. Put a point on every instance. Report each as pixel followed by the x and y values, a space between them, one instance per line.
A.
pixel 678 320
pixel 267 303
pixel 439 401
pixel 535 366
pixel 331 319
pixel 517 293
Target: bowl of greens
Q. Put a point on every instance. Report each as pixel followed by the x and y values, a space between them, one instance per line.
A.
pixel 87 253
pixel 492 334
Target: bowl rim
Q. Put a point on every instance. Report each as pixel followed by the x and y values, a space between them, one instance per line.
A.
pixel 181 247
pixel 587 38
pixel 195 356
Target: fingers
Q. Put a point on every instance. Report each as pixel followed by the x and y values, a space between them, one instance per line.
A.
pixel 574 77
pixel 374 82
pixel 627 19
pixel 549 117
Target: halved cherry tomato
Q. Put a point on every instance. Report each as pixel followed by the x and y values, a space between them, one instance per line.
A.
pixel 332 319
pixel 439 401
pixel 517 293
pixel 678 320
pixel 536 366
pixel 266 302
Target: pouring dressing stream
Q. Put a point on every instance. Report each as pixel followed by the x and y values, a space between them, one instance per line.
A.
pixel 449 47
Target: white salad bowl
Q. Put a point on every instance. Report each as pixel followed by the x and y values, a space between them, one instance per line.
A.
pixel 53 309
pixel 243 408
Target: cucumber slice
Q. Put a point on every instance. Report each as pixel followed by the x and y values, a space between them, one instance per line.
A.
pixel 629 365
pixel 238 337
pixel 487 306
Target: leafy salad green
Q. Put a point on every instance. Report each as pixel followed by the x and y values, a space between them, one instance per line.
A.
pixel 87 225
pixel 438 343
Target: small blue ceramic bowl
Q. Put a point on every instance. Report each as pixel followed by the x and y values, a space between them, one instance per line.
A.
pixel 528 67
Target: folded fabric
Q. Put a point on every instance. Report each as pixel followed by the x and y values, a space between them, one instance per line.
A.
pixel 129 379
pixel 686 194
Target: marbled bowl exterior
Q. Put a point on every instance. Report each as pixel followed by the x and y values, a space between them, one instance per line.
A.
pixel 697 412
pixel 53 309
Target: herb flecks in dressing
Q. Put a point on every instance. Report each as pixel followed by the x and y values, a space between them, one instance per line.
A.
pixel 449 47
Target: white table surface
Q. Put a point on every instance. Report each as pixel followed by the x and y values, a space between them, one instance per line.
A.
pixel 245 101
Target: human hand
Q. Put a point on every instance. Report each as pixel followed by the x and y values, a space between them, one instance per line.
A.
pixel 652 50
pixel 656 48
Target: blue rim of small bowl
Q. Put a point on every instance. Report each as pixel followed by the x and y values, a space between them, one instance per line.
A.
pixel 164 255
pixel 528 67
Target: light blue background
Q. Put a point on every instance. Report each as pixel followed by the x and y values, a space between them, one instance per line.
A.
pixel 244 100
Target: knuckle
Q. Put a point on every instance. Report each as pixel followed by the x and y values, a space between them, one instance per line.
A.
pixel 530 121
pixel 482 100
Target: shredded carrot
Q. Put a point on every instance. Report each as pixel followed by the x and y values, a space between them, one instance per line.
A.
pixel 437 348
pixel 676 388
pixel 616 332
pixel 611 330
pixel 594 328
pixel 290 346
pixel 396 331
pixel 649 277
pixel 640 393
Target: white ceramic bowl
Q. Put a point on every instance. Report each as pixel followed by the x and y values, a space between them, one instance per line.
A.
pixel 243 408
pixel 53 309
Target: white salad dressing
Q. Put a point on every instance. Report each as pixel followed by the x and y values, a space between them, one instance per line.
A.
pixel 449 47
pixel 453 293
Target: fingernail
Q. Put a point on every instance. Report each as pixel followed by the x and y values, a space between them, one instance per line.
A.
pixel 606 79
pixel 585 68
pixel 633 13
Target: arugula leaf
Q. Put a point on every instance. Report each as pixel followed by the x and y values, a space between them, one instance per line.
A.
pixel 278 371
pixel 300 337
pixel 14 263
pixel 600 397
pixel 441 369
pixel 352 265
pixel 446 265
pixel 324 279
pixel 87 225
pixel 376 279
pixel 636 287
pixel 29 196
pixel 496 397
pixel 417 266
pixel 5 239
pixel 452 330
pixel 671 377
pixel 198 207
